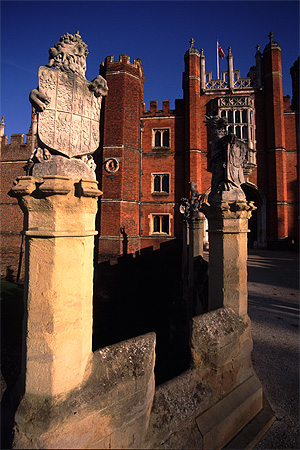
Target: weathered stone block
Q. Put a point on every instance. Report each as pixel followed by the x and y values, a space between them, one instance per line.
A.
pixel 215 337
pixel 176 404
pixel 225 419
pixel 100 414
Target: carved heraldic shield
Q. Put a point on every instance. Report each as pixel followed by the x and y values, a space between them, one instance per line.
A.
pixel 69 124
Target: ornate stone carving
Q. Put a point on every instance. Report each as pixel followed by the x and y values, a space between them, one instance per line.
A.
pixel 68 108
pixel 112 165
pixel 228 157
pixel 191 208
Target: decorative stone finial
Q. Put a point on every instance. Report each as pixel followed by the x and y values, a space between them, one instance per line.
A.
pixel 192 50
pixel 271 35
pixel 202 52
pixel 229 50
pixel 258 47
pixel 272 44
pixel 2 126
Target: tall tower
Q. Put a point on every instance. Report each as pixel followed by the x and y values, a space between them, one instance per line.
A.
pixel 275 141
pixel 121 157
pixel 191 92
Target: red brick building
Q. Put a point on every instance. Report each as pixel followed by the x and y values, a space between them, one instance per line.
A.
pixel 147 158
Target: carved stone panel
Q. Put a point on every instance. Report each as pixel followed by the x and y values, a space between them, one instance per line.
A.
pixel 70 122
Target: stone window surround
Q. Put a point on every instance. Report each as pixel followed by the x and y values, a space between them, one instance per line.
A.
pixel 161 191
pixel 161 130
pixel 236 105
pixel 152 217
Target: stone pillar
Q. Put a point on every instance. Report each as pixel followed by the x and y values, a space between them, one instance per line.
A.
pixel 230 75
pixel 228 227
pixel 202 69
pixel 196 231
pixel 258 68
pixel 195 250
pixel 60 216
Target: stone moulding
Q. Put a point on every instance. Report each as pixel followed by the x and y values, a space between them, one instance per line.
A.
pixel 55 234
pixel 54 185
pixel 228 210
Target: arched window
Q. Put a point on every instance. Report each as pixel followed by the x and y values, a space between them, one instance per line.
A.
pixel 161 223
pixel 156 224
pixel 156 183
pixel 230 116
pixel 161 138
pixel 157 142
pixel 160 183
pixel 165 183
pixel 237 117
pixel 166 138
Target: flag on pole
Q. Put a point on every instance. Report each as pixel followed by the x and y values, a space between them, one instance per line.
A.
pixel 220 51
pixel 220 54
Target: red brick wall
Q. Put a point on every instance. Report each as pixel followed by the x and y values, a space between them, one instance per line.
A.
pixel 121 139
pixel 13 158
pixel 127 200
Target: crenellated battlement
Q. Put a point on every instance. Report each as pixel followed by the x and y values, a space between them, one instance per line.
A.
pixel 123 58
pixel 165 108
pixel 18 149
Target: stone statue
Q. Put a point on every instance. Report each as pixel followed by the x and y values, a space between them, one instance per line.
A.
pixel 228 157
pixel 191 208
pixel 67 107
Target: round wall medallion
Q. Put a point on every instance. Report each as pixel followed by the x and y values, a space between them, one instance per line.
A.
pixel 111 165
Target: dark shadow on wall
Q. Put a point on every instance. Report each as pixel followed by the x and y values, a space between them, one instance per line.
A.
pixel 135 295
pixel 142 293
pixel 12 313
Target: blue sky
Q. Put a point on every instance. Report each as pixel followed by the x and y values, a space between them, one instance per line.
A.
pixel 157 32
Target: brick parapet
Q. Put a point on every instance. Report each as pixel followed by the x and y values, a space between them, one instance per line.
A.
pixel 18 149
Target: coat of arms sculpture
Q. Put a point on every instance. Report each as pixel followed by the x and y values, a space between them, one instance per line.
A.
pixel 68 108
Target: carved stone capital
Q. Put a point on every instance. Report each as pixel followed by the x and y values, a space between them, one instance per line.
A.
pixel 228 210
pixel 22 186
pixel 87 188
pixel 57 204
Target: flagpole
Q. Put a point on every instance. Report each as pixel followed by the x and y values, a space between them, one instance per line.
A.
pixel 217 59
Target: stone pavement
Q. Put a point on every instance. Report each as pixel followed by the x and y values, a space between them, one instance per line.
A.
pixel 273 306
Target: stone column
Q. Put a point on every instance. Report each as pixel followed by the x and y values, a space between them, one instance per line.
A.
pixel 228 227
pixel 230 75
pixel 60 215
pixel 195 249
pixel 202 69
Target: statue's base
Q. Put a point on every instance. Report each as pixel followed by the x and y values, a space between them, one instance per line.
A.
pixel 235 194
pixel 59 165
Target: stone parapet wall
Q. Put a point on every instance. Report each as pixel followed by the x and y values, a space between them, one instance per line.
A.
pixel 187 410
pixel 110 410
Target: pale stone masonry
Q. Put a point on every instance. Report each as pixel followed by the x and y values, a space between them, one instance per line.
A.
pixel 60 217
